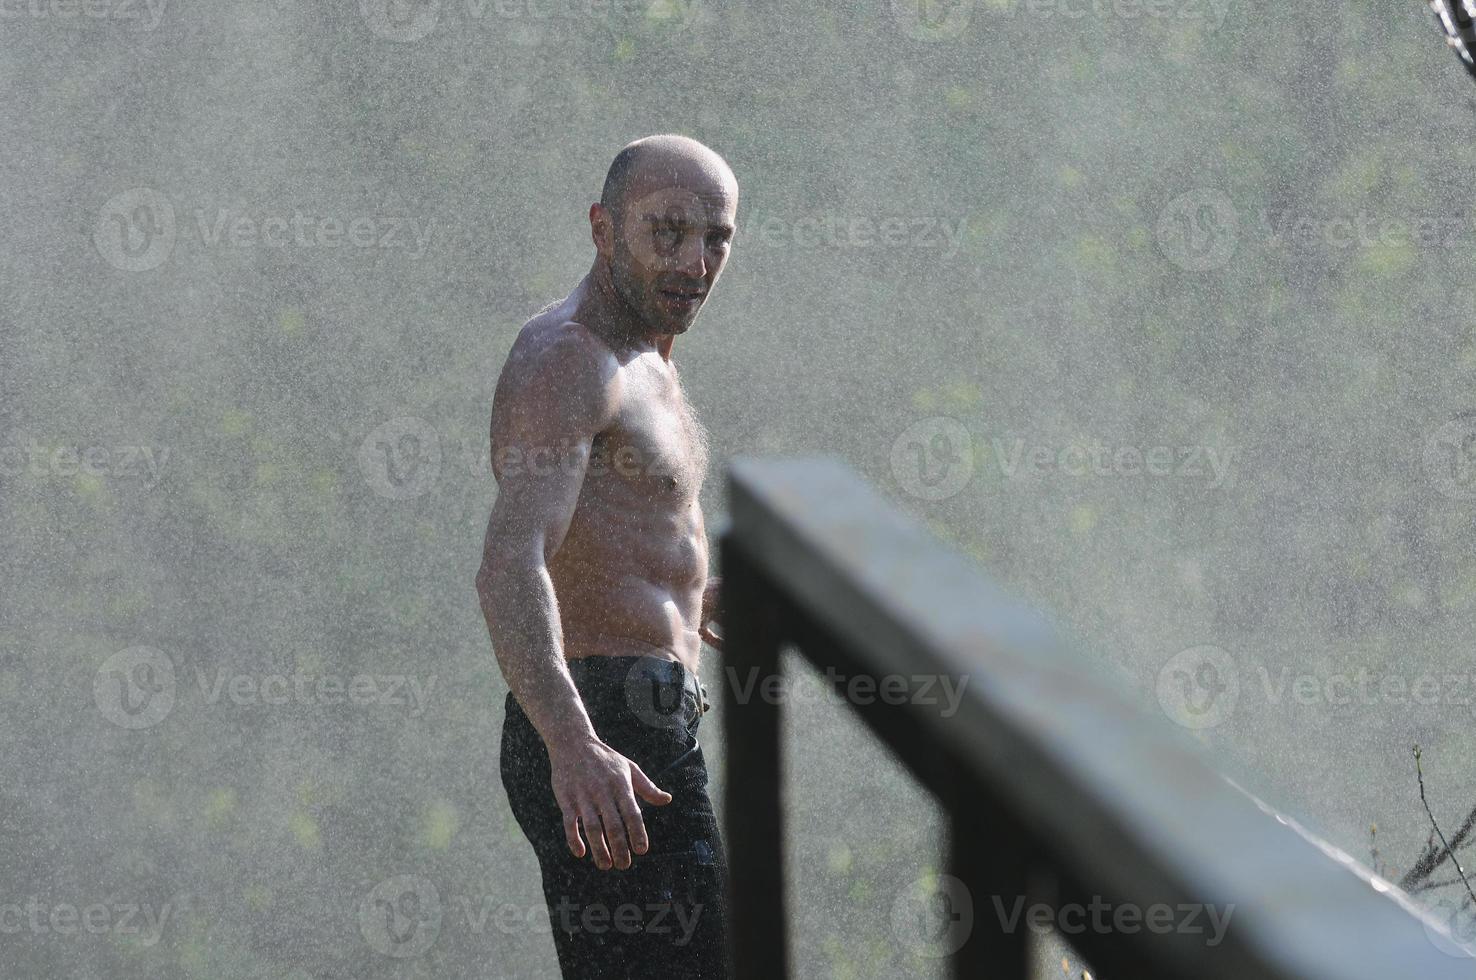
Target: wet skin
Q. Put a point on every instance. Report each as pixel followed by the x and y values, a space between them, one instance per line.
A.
pixel 596 544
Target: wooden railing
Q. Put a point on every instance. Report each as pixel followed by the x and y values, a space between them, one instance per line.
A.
pixel 1056 787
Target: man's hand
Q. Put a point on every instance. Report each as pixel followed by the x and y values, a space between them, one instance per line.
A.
pixel 596 787
pixel 712 612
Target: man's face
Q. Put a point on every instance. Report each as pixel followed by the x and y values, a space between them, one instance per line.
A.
pixel 670 246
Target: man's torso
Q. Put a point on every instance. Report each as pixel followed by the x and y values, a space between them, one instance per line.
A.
pixel 629 574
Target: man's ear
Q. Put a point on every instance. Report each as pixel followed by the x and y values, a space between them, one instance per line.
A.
pixel 601 229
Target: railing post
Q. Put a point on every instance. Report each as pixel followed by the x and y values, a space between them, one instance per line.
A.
pixel 988 854
pixel 753 806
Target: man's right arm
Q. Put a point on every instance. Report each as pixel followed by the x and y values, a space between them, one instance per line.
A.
pixel 566 394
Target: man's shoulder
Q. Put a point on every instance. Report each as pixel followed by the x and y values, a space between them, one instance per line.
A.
pixel 553 344
pixel 555 356
pixel 551 333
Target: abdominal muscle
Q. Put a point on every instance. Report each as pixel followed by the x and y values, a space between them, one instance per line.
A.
pixel 629 575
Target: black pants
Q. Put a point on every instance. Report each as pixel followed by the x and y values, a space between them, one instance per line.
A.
pixel 664 916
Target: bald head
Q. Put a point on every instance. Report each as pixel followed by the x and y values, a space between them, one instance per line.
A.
pixel 663 227
pixel 665 160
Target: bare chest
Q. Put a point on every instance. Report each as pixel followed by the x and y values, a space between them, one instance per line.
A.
pixel 656 444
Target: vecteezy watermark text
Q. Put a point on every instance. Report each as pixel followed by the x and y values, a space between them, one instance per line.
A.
pixel 1102 917
pixel 119 462
pixel 137 688
pixel 830 230
pixel 402 916
pixel 95 918
pixel 1201 229
pixel 934 916
pixel 405 21
pixel 140 14
pixel 394 690
pixel 1209 463
pixel 947 20
pixel 137 230
pixel 935 458
pixel 928 690
pixel 1201 687
pixel 405 457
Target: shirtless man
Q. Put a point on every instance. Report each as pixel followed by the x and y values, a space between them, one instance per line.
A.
pixel 594 579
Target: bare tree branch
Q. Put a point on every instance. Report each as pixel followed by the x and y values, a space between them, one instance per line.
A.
pixel 1432 858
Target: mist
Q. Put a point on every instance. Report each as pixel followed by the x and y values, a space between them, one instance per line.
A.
pixel 1160 311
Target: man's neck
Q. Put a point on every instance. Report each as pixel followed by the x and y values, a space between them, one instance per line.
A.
pixel 605 311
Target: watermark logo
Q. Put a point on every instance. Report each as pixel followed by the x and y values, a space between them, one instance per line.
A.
pixel 948 20
pixel 942 691
pixel 933 458
pixel 1450 458
pixel 142 923
pixel 401 459
pixel 404 916
pixel 315 689
pixel 135 688
pixel 835 230
pixel 407 456
pixel 1198 687
pixel 1451 928
pixel 933 916
pixel 138 688
pixel 1210 12
pixel 401 916
pixel 143 14
pixel 1336 231
pixel 660 228
pixel 404 21
pixel 400 20
pixel 118 462
pixel 1198 230
pixel 1201 230
pixel 1338 690
pixel 1104 918
pixel 653 696
pixel 1214 464
pixel 933 20
pixel 135 230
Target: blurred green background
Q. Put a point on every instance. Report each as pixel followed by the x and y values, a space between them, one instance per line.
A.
pixel 263 262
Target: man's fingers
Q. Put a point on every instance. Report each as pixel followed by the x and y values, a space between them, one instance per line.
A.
pixel 595 834
pixel 646 789
pixel 571 834
pixel 710 638
pixel 615 833
pixel 635 827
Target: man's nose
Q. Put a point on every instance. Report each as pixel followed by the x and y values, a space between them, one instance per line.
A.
pixel 691 258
